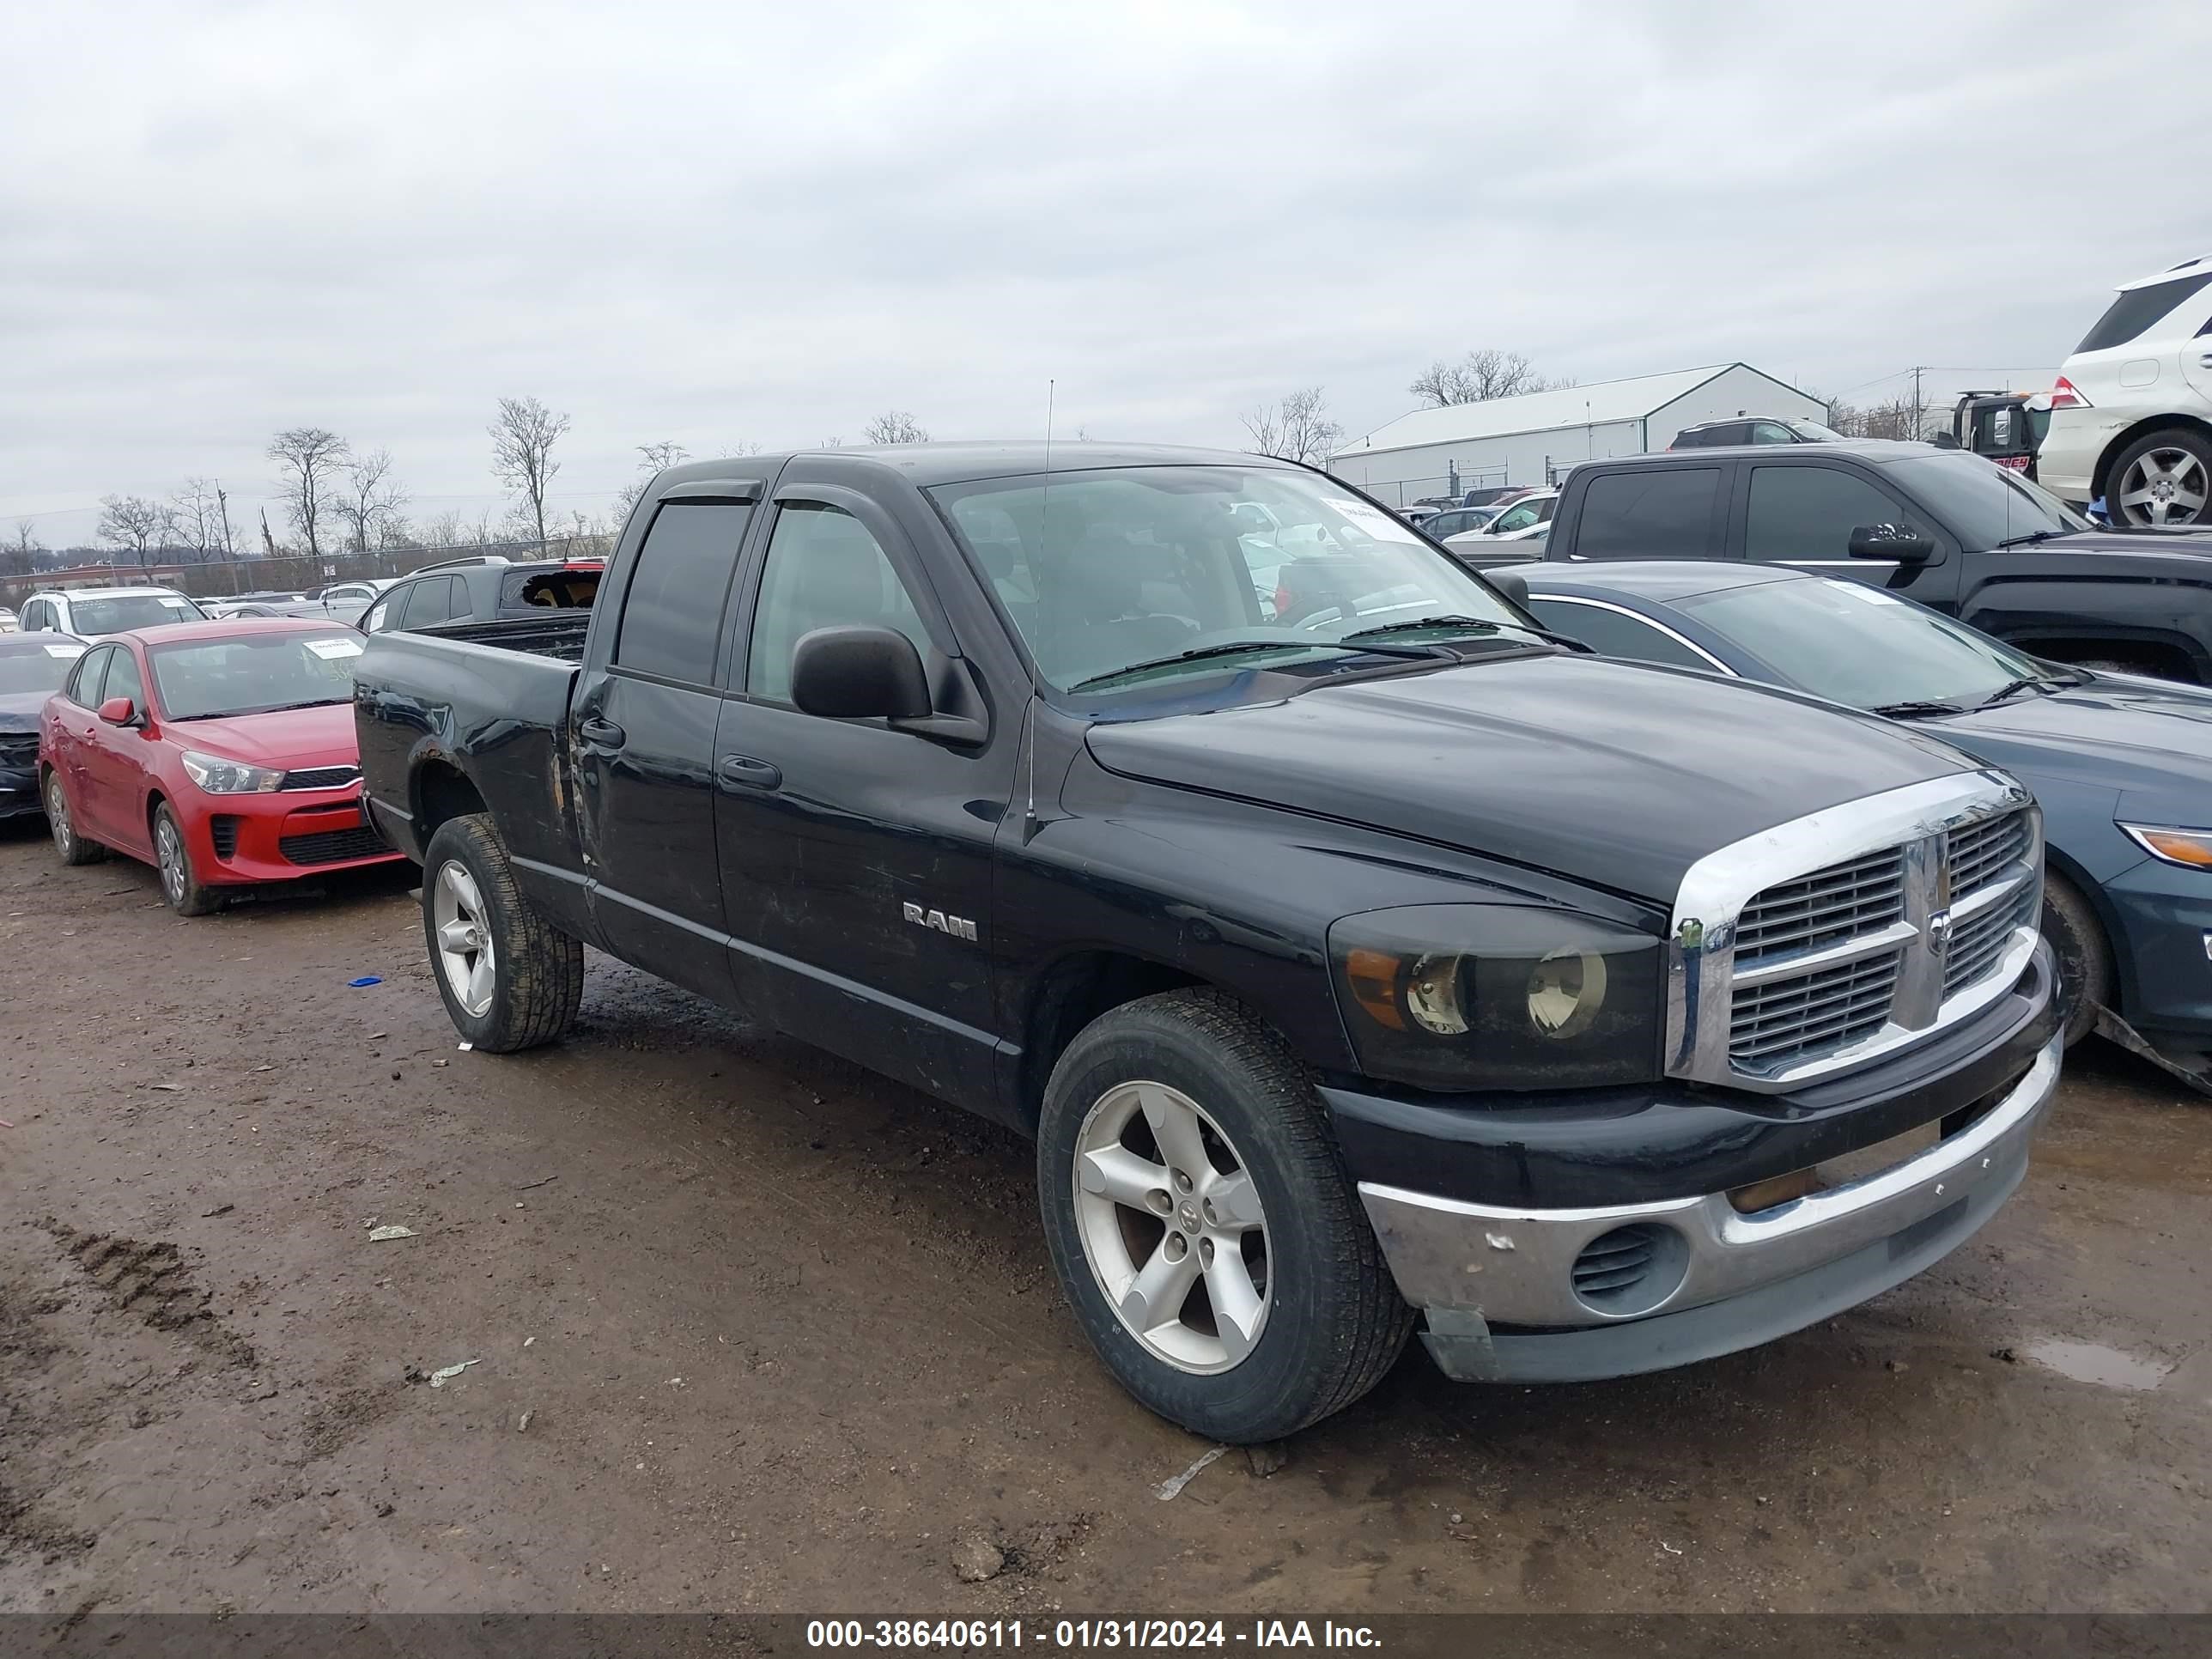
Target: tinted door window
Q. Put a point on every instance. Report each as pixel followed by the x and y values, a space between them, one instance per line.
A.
pixel 1665 514
pixel 84 687
pixel 426 602
pixel 823 570
pixel 124 679
pixel 1614 634
pixel 2134 312
pixel 1809 512
pixel 1519 516
pixel 1772 432
pixel 672 614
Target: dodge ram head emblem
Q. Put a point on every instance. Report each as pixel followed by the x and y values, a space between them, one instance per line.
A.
pixel 937 921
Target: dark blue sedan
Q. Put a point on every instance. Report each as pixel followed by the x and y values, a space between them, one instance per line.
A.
pixel 2122 765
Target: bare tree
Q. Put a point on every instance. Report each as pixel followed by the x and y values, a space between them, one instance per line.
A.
pixel 522 441
pixel 309 459
pixel 1897 418
pixel 895 426
pixel 133 524
pixel 1297 429
pixel 446 529
pixel 1479 377
pixel 196 513
pixel 652 458
pixel 368 502
pixel 20 556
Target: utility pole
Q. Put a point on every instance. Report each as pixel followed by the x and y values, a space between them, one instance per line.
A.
pixel 1918 417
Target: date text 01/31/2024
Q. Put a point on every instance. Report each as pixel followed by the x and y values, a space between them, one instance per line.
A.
pixel 1084 1634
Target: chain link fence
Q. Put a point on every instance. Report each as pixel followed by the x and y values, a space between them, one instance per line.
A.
pixel 219 579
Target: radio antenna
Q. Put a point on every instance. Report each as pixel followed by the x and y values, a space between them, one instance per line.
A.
pixel 1051 389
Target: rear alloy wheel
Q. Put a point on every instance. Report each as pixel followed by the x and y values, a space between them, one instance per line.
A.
pixel 73 847
pixel 186 896
pixel 509 978
pixel 2161 481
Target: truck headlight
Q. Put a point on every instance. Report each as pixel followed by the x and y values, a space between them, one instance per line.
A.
pixel 1478 996
pixel 2192 847
pixel 219 776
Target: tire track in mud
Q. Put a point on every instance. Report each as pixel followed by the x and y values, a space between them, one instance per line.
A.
pixel 151 1282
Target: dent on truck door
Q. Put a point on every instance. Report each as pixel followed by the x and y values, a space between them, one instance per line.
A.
pixel 643 731
pixel 856 859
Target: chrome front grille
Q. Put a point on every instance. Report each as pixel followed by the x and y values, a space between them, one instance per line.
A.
pixel 1787 965
pixel 1839 903
pixel 1978 944
pixel 1786 1018
pixel 1976 852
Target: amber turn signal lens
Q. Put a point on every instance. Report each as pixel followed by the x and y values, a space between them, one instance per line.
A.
pixel 1373 976
pixel 2176 846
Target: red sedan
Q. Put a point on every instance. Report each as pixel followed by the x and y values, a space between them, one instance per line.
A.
pixel 221 753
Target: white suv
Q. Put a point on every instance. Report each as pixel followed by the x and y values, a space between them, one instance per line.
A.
pixel 2131 413
pixel 89 612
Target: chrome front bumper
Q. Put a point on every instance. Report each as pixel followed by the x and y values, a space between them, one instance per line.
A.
pixel 1736 1280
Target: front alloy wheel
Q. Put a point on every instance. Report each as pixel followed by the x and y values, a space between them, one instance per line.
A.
pixel 464 947
pixel 1172 1227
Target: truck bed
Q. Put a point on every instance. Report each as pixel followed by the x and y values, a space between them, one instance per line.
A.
pixel 559 634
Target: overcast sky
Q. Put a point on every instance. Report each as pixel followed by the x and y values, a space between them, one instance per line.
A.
pixel 730 223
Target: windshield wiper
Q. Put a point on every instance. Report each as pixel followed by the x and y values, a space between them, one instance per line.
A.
pixel 1238 648
pixel 1463 625
pixel 2034 536
pixel 2026 683
pixel 1913 711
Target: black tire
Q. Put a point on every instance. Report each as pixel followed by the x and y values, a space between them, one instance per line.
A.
pixel 2084 959
pixel 536 971
pixel 172 860
pixel 2191 443
pixel 61 824
pixel 1332 1321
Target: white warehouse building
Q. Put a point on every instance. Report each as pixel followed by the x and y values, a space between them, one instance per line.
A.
pixel 1533 438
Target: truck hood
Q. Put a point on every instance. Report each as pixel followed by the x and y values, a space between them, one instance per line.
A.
pixel 2190 552
pixel 1606 773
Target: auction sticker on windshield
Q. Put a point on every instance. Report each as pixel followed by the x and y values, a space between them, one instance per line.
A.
pixel 65 652
pixel 332 650
pixel 1373 519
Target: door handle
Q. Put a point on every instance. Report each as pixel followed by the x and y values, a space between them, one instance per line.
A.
pixel 602 733
pixel 751 774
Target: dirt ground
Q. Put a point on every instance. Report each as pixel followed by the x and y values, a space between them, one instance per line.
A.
pixel 747 1330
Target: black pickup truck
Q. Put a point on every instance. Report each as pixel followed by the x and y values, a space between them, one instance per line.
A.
pixel 1951 530
pixel 1386 962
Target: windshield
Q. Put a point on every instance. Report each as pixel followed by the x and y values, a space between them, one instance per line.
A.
pixel 1983 502
pixel 1858 645
pixel 90 615
pixel 1104 571
pixel 41 668
pixel 254 673
pixel 1814 431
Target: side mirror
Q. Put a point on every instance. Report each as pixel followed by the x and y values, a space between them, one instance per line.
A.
pixel 1899 542
pixel 1513 584
pixel 120 711
pixel 859 673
